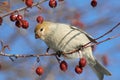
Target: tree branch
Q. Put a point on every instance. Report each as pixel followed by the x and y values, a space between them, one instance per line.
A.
pixel 23 8
pixel 89 44
pixel 54 54
pixel 109 31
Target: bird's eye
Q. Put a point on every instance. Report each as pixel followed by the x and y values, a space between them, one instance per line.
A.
pixel 41 29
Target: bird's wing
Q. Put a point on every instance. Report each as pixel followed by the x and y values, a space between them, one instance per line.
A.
pixel 88 36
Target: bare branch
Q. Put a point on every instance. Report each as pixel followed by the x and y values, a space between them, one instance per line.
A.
pixel 109 39
pixel 24 56
pixel 108 31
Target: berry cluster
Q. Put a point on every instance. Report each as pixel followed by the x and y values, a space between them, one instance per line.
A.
pixel 19 22
pixel 79 68
pixel 64 66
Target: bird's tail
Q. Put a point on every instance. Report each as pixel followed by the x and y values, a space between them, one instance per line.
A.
pixel 100 70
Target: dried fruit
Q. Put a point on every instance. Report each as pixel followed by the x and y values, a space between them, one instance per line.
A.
pixel 78 69
pixel 40 19
pixel 1 20
pixel 29 3
pixel 94 3
pixel 25 24
pixel 19 17
pixel 82 62
pixel 52 3
pixel 63 66
pixel 39 70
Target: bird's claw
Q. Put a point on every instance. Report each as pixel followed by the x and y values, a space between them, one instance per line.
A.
pixel 59 53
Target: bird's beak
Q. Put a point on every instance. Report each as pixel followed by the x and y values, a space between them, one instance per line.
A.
pixel 36 36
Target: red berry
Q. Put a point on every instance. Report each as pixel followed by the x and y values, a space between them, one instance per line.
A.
pixel 13 17
pixel 39 70
pixel 52 3
pixel 63 66
pixel 1 20
pixel 94 3
pixel 78 69
pixel 29 3
pixel 40 19
pixel 18 23
pixel 105 60
pixel 25 24
pixel 82 62
pixel 19 17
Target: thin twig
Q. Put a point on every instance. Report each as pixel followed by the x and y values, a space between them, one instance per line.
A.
pixel 103 40
pixel 109 31
pixel 24 56
pixel 108 39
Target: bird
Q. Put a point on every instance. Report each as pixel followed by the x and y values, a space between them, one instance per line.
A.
pixel 65 37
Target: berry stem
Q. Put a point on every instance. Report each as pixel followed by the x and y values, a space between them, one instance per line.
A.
pixel 57 59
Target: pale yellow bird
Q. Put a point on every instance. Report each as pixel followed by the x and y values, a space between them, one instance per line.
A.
pixel 64 37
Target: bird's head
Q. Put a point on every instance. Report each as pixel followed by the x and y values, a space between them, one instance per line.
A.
pixel 41 30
